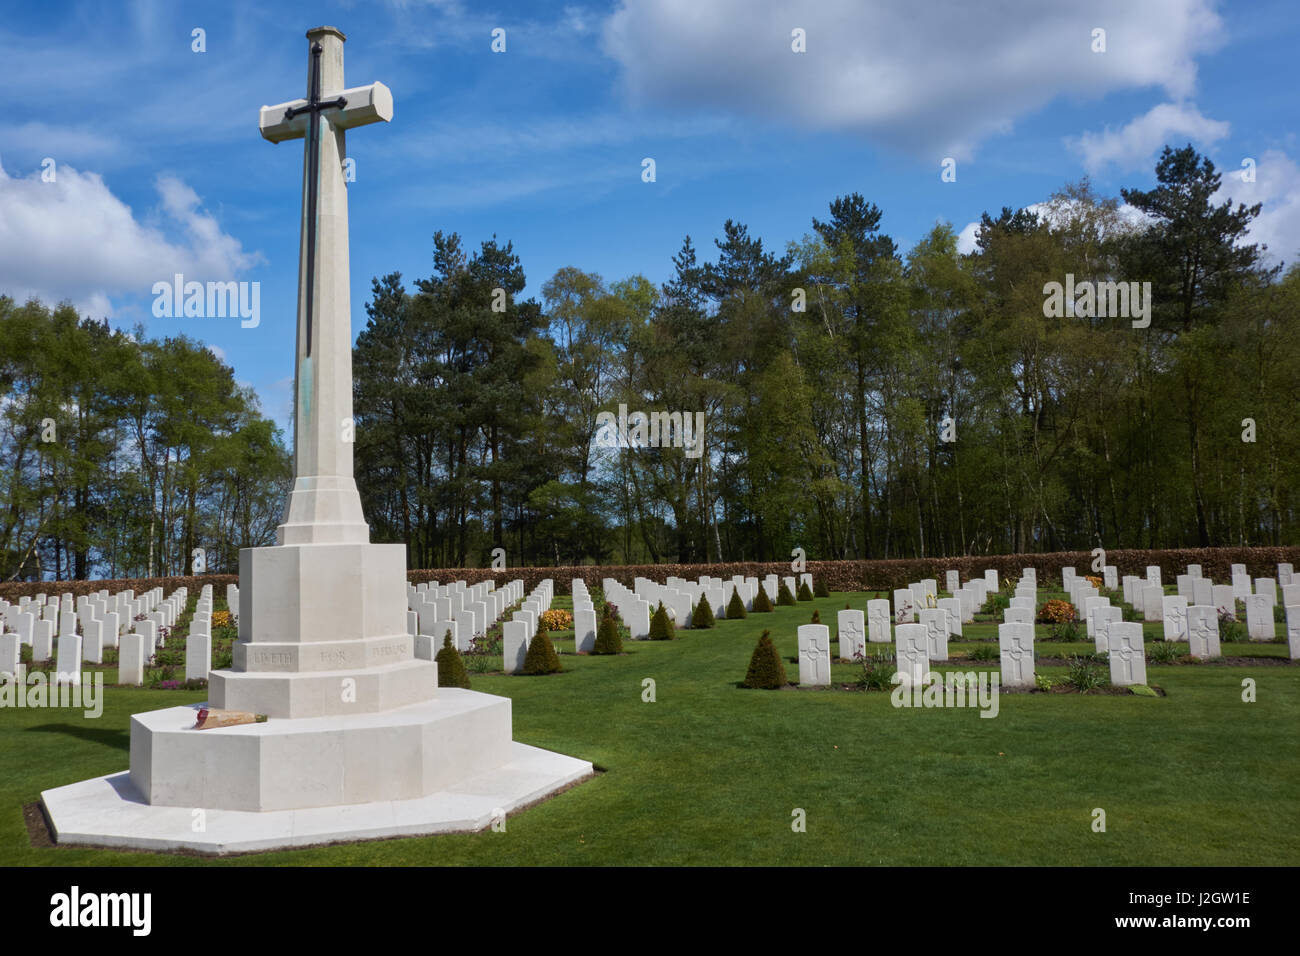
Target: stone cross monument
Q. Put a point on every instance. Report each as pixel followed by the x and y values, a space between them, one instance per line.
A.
pixel 324 506
pixel 322 621
pixel 357 740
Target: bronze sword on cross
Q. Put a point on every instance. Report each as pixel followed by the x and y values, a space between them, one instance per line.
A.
pixel 313 107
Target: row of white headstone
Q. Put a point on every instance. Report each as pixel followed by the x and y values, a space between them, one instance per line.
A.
pixel 518 632
pixel 920 624
pixel 462 610
pixel 86 627
pixel 680 597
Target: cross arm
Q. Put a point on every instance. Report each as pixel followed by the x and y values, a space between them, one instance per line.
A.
pixel 365 105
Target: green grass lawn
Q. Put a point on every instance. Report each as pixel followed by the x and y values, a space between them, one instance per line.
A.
pixel 711 774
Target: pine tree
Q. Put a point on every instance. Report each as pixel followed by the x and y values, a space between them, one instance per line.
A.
pixel 451 666
pixel 819 588
pixel 661 627
pixel 541 657
pixel 817 617
pixel 736 607
pixel 609 640
pixel 783 596
pixel 765 668
pixel 703 616
pixel 762 603
pixel 805 594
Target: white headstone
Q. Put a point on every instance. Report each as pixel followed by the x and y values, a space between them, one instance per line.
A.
pixel 134 651
pixel 1016 643
pixel 198 651
pixel 514 645
pixel 1224 600
pixel 1153 603
pixel 851 628
pixel 1175 617
pixel 814 655
pixel 584 630
pixel 1203 631
pixel 1259 618
pixel 1126 654
pixel 953 606
pixel 911 649
pixel 68 665
pixel 935 622
pixel 1102 619
pixel 904 606
pixel 10 654
pixel 878 621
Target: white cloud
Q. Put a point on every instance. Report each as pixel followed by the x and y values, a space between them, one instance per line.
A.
pixel 1132 146
pixel 1277 187
pixel 1055 213
pixel 966 238
pixel 73 239
pixel 931 78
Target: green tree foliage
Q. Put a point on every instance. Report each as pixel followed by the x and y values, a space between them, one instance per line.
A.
pixel 762 603
pixel 783 596
pixel 451 666
pixel 120 455
pixel 736 607
pixel 609 639
pixel 703 616
pixel 766 671
pixel 805 592
pixel 541 657
pixel 857 401
pixel 661 625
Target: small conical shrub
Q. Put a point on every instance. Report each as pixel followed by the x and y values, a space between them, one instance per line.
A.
pixel 805 593
pixel 736 607
pixel 541 657
pixel 783 596
pixel 609 640
pixel 661 628
pixel 762 603
pixel 703 616
pixel 846 606
pixel 817 617
pixel 765 668
pixel 451 666
pixel 819 588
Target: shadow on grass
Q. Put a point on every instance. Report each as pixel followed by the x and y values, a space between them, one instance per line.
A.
pixel 117 739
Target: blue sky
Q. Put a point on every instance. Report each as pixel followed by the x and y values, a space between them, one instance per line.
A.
pixel 159 167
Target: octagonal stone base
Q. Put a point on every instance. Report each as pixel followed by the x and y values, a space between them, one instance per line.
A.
pixel 109 812
pixel 401 754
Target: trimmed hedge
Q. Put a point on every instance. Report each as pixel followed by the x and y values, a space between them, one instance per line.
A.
pixel 766 672
pixel 886 575
pixel 762 603
pixel 13 590
pixel 856 575
pixel 541 657
pixel 451 666
pixel 703 616
pixel 736 607
pixel 609 640
pixel 661 627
